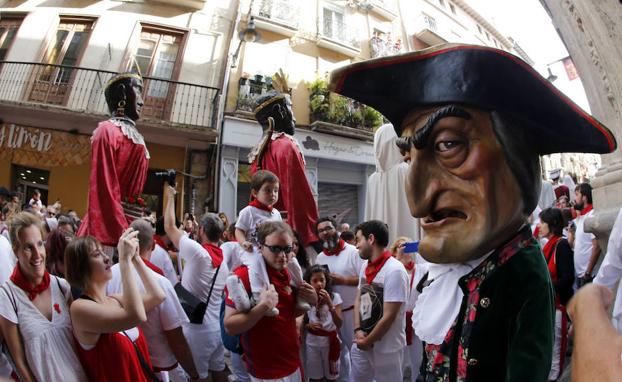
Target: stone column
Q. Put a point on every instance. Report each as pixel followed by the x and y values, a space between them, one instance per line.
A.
pixel 592 32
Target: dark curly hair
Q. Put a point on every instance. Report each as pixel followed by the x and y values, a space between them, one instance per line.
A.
pixel 316 268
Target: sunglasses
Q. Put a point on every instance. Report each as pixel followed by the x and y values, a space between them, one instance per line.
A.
pixel 278 249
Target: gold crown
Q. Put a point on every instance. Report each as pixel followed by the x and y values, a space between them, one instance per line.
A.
pixel 268 102
pixel 120 77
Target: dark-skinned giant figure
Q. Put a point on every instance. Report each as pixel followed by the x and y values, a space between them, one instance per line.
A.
pixel 473 121
pixel 280 153
pixel 119 162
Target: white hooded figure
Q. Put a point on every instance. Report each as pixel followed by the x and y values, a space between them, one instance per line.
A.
pixel 568 182
pixel 547 196
pixel 386 200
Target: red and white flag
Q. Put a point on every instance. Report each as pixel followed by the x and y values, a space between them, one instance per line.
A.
pixel 571 70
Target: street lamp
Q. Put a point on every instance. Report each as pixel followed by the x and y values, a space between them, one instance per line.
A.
pixel 248 34
pixel 552 77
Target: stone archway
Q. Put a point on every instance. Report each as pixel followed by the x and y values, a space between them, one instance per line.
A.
pixel 592 32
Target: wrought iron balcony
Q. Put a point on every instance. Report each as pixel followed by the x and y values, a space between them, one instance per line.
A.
pixel 82 90
pixel 280 16
pixel 339 31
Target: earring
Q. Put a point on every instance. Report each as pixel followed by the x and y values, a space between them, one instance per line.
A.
pixel 121 108
pixel 270 124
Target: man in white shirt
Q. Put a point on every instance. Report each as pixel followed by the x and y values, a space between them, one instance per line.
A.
pixel 160 256
pixel 378 349
pixel 344 265
pixel 204 274
pixel 586 248
pixel 163 328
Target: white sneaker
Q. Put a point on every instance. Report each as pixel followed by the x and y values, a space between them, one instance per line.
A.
pixel 270 313
pixel 237 293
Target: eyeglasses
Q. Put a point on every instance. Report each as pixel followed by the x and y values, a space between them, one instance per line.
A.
pixel 278 249
pixel 326 229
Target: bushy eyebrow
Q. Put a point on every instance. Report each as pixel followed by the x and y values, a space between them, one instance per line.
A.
pixel 421 136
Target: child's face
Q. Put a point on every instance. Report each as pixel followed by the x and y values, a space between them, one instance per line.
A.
pixel 268 194
pixel 318 281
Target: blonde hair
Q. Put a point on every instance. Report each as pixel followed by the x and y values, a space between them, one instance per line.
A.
pixel 18 223
pixel 397 242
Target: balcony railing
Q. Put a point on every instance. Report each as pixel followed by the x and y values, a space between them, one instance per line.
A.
pixel 82 90
pixel 286 12
pixel 340 32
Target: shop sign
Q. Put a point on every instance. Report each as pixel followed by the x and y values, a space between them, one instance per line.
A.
pixel 15 137
pixel 30 146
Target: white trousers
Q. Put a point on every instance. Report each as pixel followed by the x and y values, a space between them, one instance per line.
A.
pixel 557 348
pixel 415 351
pixel 346 333
pixel 294 377
pixel 370 365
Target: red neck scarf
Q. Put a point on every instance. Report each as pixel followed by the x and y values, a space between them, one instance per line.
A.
pixel 158 240
pixel 549 247
pixel 586 209
pixel 373 267
pixel 257 204
pixel 153 267
pixel 19 279
pixel 280 279
pixel 410 266
pixel 337 250
pixel 215 252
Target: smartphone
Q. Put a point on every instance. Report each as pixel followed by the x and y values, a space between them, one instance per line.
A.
pixel 411 247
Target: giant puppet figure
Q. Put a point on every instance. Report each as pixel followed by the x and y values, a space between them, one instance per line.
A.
pixel 119 163
pixel 279 152
pixel 473 121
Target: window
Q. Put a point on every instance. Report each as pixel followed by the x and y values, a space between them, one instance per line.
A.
pixel 453 8
pixel 479 29
pixel 53 81
pixel 429 22
pixel 334 26
pixel 157 56
pixel 8 30
pixel 495 41
pixel 442 3
pixel 487 36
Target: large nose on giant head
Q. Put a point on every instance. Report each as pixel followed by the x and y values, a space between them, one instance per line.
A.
pixel 421 185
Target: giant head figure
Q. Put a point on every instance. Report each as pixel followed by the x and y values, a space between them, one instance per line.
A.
pixel 273 110
pixel 123 94
pixel 473 121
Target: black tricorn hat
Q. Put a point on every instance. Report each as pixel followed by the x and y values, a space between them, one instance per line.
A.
pixel 476 76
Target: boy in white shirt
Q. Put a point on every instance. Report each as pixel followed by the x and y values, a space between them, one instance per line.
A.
pixel 378 349
pixel 264 194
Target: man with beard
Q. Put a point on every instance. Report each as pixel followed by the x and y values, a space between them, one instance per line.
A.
pixel 473 122
pixel 378 351
pixel 344 265
pixel 586 248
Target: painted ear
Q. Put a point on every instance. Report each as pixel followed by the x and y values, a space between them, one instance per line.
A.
pixel 121 92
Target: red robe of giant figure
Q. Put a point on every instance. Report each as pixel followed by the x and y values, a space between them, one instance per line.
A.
pixel 280 153
pixel 119 163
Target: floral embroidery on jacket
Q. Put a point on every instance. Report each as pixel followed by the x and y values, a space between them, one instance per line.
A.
pixel 439 366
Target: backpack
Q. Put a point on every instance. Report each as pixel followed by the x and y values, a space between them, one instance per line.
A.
pixel 231 343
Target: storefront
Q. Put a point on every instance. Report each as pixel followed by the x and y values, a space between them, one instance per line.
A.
pixel 58 164
pixel 337 169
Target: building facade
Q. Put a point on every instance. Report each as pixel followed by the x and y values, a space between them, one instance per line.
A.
pixel 308 39
pixel 55 58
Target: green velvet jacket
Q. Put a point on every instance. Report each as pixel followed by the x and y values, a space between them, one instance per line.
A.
pixel 506 320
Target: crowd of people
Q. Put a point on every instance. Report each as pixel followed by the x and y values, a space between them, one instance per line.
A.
pixel 281 313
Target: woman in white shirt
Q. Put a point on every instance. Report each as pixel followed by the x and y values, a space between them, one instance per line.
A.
pixel 34 311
